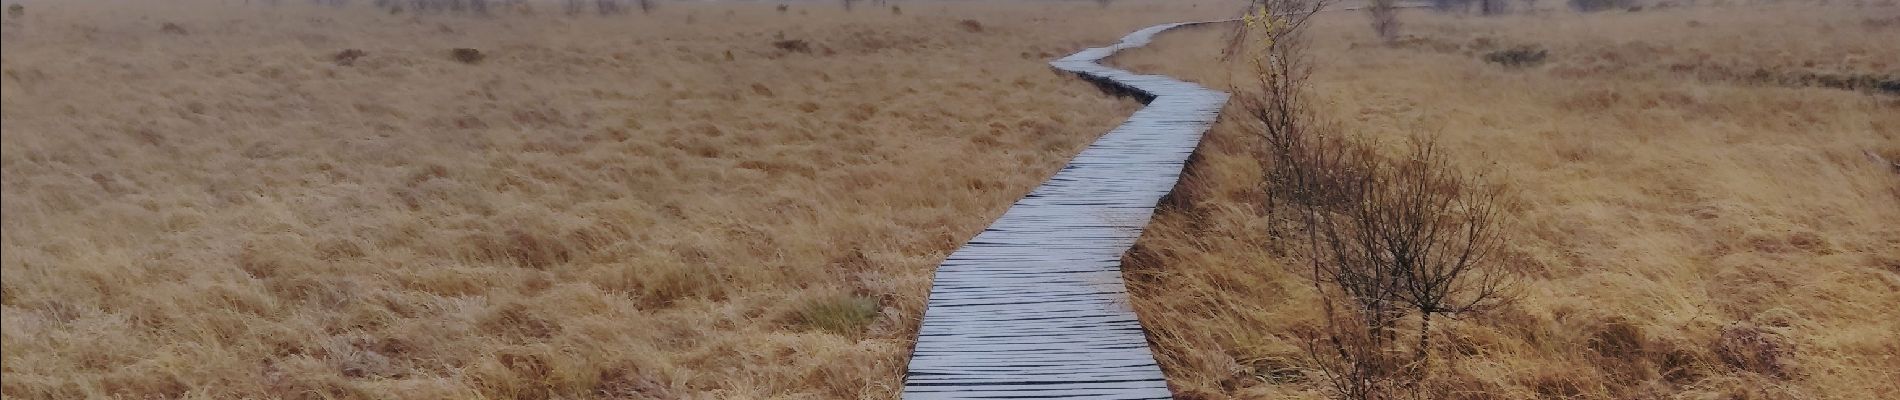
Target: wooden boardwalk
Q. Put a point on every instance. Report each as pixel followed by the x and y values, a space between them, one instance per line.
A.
pixel 1034 307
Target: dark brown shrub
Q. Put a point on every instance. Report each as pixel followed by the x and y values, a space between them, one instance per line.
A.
pixel 467 55
pixel 348 57
pixel 172 28
pixel 1870 23
pixel 1520 56
pixel 1752 348
pixel 1619 339
pixel 971 25
pixel 515 320
pixel 793 45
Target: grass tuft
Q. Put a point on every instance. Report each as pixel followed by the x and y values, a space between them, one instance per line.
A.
pixel 846 315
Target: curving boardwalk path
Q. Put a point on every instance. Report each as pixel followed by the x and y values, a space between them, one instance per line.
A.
pixel 1034 307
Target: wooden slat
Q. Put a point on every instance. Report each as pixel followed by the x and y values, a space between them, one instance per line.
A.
pixel 1034 307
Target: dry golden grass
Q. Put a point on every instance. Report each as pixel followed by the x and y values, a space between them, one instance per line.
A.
pixel 646 206
pixel 1683 235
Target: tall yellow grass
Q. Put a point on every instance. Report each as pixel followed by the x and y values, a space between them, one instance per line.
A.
pixel 1684 235
pixel 645 206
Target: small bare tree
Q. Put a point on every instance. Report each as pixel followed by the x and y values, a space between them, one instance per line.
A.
pixel 1273 43
pixel 1442 228
pixel 848 4
pixel 607 7
pixel 1421 226
pixel 573 7
pixel 646 6
pixel 1386 237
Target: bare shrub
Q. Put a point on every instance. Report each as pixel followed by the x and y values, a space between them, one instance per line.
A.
pixel 783 8
pixel 172 28
pixel 16 11
pixel 646 6
pixel 1388 237
pixel 971 25
pixel 848 4
pixel 1755 349
pixel 574 7
pixel 607 7
pixel 793 45
pixel 1434 227
pixel 467 55
pixel 1310 171
pixel 1869 23
pixel 1516 57
pixel 347 57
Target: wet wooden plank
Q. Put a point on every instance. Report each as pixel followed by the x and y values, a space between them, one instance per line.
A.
pixel 1034 307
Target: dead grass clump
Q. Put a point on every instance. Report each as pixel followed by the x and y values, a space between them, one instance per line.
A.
pixel 1518 57
pixel 971 25
pixel 1631 355
pixel 347 57
pixel 1756 349
pixel 793 45
pixel 1618 338
pixel 467 55
pixel 1872 83
pixel 526 248
pixel 839 314
pixel 1869 23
